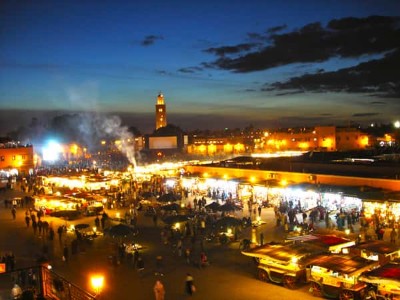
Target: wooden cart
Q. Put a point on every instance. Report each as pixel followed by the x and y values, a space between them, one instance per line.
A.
pixel 337 276
pixel 383 282
pixel 284 263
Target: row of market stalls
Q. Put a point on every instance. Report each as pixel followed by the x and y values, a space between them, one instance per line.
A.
pixel 304 196
pixel 87 193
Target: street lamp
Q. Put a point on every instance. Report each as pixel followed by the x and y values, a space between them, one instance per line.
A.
pixel 97 282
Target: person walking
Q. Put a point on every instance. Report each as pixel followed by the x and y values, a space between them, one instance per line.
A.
pixel 14 212
pixel 65 253
pixel 155 219
pixel 140 266
pixel 159 266
pixel 159 291
pixel 97 222
pixel 393 236
pixel 60 232
pixel 34 226
pixel 189 285
pixel 27 220
pixel 135 258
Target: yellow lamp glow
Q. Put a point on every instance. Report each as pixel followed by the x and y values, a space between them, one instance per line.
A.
pixel 97 282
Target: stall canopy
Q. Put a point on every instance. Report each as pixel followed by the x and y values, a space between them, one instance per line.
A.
pixel 387 274
pixel 331 243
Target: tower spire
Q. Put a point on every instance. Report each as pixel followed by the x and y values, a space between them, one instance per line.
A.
pixel 161 111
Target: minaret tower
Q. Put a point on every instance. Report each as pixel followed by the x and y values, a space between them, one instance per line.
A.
pixel 161 112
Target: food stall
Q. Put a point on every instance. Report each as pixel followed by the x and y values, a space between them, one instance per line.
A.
pixel 284 263
pixel 377 250
pixel 332 243
pixel 383 282
pixel 50 204
pixel 337 276
pixel 386 212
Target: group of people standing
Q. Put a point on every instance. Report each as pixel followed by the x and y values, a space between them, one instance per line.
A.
pixel 159 290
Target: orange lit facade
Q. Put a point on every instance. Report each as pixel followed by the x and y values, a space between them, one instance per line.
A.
pixel 74 152
pixel 284 178
pixel 20 158
pixel 323 138
pixel 215 146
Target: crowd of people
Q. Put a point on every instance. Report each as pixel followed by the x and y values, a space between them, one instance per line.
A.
pixel 186 242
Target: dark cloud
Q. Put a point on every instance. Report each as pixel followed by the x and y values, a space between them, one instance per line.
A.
pixel 362 115
pixel 162 72
pixel 150 39
pixel 222 51
pixel 190 70
pixel 275 29
pixel 289 93
pixel 380 77
pixel 344 38
pixel 314 43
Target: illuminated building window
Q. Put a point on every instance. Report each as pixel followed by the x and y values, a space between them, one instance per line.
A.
pixel 2 158
pixel 13 157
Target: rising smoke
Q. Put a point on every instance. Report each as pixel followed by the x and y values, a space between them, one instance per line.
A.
pixel 112 126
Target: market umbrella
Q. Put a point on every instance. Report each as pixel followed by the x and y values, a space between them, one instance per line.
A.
pixel 229 207
pixel 147 195
pixel 228 222
pixel 175 219
pixel 170 207
pixel 214 206
pixel 169 197
pixel 67 214
pixel 81 226
pixel 120 230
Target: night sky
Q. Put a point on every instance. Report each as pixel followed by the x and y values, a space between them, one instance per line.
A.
pixel 218 63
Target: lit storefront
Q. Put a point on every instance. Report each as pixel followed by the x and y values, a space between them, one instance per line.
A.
pixel 211 187
pixel 386 212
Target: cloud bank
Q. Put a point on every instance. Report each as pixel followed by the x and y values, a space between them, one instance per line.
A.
pixel 346 38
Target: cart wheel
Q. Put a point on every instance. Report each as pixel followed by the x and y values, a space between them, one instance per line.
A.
pixel 346 295
pixel 263 275
pixel 316 289
pixel 289 282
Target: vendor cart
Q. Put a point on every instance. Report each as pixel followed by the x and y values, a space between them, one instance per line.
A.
pixel 378 250
pixel 383 282
pixel 284 263
pixel 332 243
pixel 337 276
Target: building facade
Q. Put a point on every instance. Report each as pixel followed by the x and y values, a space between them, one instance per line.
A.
pixel 17 157
pixel 321 138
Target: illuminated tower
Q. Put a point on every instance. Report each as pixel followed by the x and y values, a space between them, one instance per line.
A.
pixel 161 112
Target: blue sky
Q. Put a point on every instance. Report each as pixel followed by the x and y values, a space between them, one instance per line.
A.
pixel 218 63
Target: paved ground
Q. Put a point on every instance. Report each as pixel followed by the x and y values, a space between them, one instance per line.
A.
pixel 230 275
